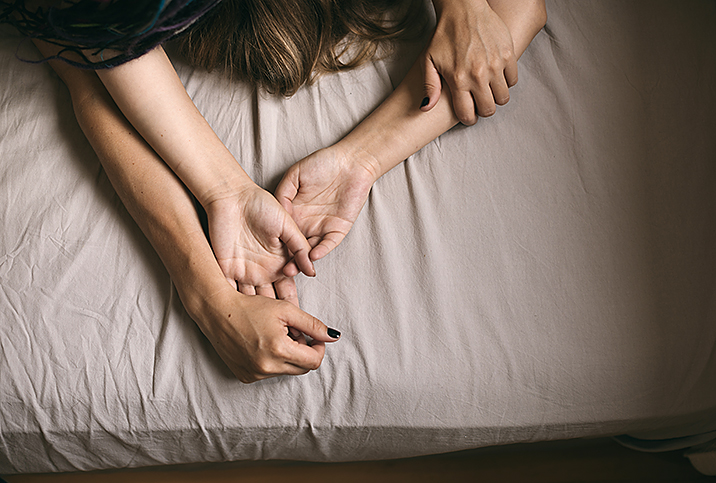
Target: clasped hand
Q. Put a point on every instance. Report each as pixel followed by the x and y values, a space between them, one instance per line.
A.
pixel 260 245
pixel 472 50
pixel 261 242
pixel 253 239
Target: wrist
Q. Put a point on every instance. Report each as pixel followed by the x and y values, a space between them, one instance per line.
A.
pixel 195 273
pixel 352 153
pixel 205 307
pixel 225 186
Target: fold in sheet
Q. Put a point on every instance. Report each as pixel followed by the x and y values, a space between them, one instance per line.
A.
pixel 548 273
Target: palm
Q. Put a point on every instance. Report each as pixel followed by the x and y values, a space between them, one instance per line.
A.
pixel 245 234
pixel 324 195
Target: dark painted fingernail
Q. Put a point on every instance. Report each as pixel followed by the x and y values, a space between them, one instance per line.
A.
pixel 425 102
pixel 333 333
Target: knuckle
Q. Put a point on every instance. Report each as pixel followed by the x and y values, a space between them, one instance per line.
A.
pixel 467 118
pixel 496 66
pixel 264 366
pixel 317 325
pixel 461 80
pixel 313 365
pixel 278 351
pixel 464 112
pixel 507 55
pixel 483 72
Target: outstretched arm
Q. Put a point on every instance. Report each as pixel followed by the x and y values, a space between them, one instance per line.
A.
pixel 398 128
pixel 325 191
pixel 249 249
pixel 250 333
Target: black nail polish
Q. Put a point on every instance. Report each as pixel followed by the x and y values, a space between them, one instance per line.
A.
pixel 333 333
pixel 425 102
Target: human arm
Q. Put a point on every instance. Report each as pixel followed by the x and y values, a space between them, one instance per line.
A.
pixel 325 191
pixel 250 250
pixel 250 333
pixel 472 49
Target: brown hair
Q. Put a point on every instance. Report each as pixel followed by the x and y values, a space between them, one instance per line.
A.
pixel 280 45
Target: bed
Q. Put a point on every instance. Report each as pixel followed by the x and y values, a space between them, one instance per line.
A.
pixel 549 273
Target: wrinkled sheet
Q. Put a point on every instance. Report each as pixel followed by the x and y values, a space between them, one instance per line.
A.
pixel 548 273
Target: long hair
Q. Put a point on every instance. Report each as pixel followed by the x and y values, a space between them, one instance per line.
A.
pixel 279 45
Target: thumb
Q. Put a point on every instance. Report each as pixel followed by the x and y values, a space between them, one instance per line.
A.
pixel 313 327
pixel 297 245
pixel 432 84
pixel 287 189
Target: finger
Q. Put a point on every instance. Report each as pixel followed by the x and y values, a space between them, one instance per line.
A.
pixel 327 244
pixel 247 289
pixel 311 326
pixel 291 269
pixel 233 283
pixel 279 369
pixel 511 73
pixel 294 370
pixel 298 246
pixel 484 101
pixel 297 336
pixel 500 91
pixel 266 291
pixel 294 357
pixel 304 356
pixel 464 106
pixel 287 189
pixel 432 84
pixel 286 290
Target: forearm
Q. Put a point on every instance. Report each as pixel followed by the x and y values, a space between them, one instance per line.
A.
pixel 152 194
pixel 255 342
pixel 524 18
pixel 398 128
pixel 153 99
pixel 527 15
pixel 154 197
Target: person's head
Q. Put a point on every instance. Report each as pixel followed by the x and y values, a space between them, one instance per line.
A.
pixel 279 45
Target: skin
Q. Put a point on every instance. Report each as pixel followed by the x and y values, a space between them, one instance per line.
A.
pixel 326 191
pixel 252 236
pixel 154 144
pixel 256 336
pixel 473 52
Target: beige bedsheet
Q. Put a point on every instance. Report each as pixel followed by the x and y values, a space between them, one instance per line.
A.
pixel 548 273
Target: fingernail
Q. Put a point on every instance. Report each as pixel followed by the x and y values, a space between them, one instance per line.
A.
pixel 425 102
pixel 333 333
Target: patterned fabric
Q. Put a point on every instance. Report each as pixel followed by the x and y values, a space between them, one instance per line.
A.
pixel 99 34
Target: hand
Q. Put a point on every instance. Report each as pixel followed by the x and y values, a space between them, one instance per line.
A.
pixel 473 51
pixel 258 337
pixel 254 238
pixel 324 194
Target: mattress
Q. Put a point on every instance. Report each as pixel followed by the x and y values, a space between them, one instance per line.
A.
pixel 548 273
